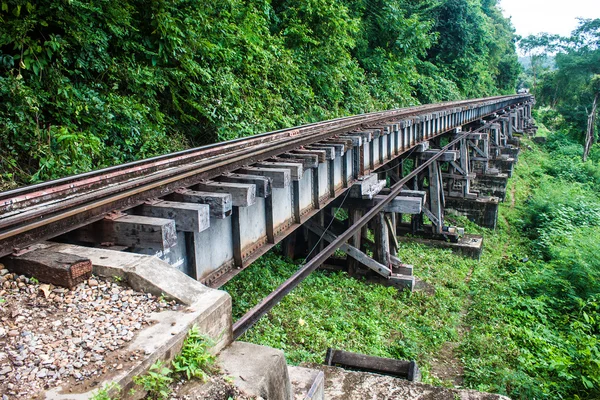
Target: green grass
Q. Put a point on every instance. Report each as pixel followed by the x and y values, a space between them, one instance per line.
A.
pixel 334 310
pixel 519 331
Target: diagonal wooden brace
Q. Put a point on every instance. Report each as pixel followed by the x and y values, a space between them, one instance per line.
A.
pixel 351 251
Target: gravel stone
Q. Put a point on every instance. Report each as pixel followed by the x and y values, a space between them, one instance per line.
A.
pixel 69 338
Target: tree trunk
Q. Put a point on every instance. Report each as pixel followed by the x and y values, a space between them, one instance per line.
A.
pixel 589 136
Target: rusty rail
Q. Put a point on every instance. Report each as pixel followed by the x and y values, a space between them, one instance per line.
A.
pixel 39 212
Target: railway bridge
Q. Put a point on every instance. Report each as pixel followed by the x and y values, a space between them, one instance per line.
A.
pixel 209 212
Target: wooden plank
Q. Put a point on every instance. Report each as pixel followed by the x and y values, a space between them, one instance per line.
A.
pixel 478 136
pixel 280 178
pixel 190 254
pixel 262 183
pixel 366 187
pixel 236 232
pixel 130 231
pixel 403 204
pixel 448 156
pixel 341 144
pixel 296 202
pixel 242 194
pixel 400 268
pixel 340 147
pixel 350 250
pixel 188 217
pixel 331 178
pixel 367 136
pixel 296 169
pixel 414 193
pixel 315 189
pixel 354 214
pixel 435 212
pixel 392 232
pixel 329 150
pixel 270 222
pixel 322 154
pixel 388 366
pixel 382 240
pixel 356 139
pixel 49 266
pixel 308 160
pixel 220 203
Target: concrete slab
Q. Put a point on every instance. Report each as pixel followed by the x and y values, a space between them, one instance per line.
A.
pixel 216 388
pixel 482 210
pixel 257 370
pixel 207 308
pixel 307 383
pixel 341 384
pixel 491 185
pixel 468 245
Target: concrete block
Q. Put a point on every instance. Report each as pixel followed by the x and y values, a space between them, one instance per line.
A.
pixel 491 185
pixel 402 281
pixel 468 245
pixel 307 383
pixel 258 371
pixel 207 308
pixel 483 210
pixel 341 384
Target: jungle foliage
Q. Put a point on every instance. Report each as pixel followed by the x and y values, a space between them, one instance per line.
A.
pixel 85 85
pixel 523 321
pixel 570 84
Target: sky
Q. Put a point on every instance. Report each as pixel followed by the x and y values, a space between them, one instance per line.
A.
pixel 552 16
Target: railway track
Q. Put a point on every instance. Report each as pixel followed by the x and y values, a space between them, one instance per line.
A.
pixel 40 212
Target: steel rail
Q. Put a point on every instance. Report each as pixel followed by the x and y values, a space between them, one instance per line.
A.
pixel 122 172
pixel 28 194
pixel 254 314
pixel 28 227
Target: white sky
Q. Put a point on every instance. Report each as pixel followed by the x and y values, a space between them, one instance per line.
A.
pixel 552 16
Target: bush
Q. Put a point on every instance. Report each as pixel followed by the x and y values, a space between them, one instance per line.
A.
pixel 90 85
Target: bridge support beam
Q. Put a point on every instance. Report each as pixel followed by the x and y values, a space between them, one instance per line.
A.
pixel 491 185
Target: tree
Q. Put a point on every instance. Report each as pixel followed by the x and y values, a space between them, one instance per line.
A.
pixel 573 88
pixel 538 48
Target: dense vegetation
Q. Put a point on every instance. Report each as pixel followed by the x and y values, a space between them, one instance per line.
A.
pixel 85 85
pixel 523 321
pixel 570 84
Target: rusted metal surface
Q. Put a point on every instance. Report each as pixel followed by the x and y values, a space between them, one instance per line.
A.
pixel 31 214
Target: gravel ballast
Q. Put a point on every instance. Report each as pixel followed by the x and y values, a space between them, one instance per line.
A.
pixel 51 336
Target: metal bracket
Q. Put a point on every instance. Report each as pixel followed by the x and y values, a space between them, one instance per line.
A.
pixel 19 252
pixel 114 215
pixel 152 201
